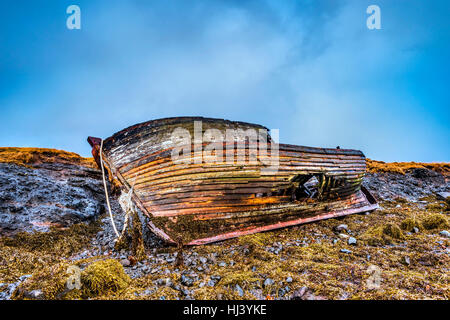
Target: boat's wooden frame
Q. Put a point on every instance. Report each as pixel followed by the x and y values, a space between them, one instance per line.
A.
pixel 200 203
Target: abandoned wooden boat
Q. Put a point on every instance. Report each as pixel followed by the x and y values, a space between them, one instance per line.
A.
pixel 197 201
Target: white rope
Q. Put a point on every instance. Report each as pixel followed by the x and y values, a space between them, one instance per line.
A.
pixel 127 207
pixel 106 192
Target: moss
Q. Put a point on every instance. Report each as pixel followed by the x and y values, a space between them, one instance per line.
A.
pixel 28 157
pixel 382 235
pixel 165 293
pixel 435 221
pixel 435 207
pixel 104 277
pixel 374 166
pixel 100 278
pixel 410 223
pixel 393 231
pixel 257 239
pixel 50 280
pixel 238 277
pixel 137 244
pixel 61 242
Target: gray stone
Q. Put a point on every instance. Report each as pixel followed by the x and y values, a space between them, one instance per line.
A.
pixel 299 293
pixel 342 227
pixel 239 290
pixel 268 282
pixel 187 281
pixel 289 279
pixel 407 260
pixel 442 195
pixel 445 234
pixel 345 251
pixel 125 262
pixel 36 294
pixel 50 194
pixel 211 283
pixel 351 241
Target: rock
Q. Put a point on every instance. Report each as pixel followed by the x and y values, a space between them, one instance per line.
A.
pixel 345 251
pixel 211 283
pixel 442 195
pixel 299 293
pixel 445 234
pixel 289 279
pixel 239 290
pixel 343 236
pixel 416 230
pixel 427 174
pixel 222 264
pixel 36 294
pixel 411 186
pixel 187 281
pixel 268 282
pixel 342 227
pixel 407 260
pixel 351 241
pixel 125 262
pixel 58 193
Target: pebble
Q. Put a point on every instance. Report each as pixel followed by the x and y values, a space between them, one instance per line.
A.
pixel 268 282
pixel 445 233
pixel 125 262
pixel 239 290
pixel 345 251
pixel 289 279
pixel 352 241
pixel 211 283
pixel 36 294
pixel 442 195
pixel 407 260
pixel 342 227
pixel 416 230
pixel 222 264
pixel 187 281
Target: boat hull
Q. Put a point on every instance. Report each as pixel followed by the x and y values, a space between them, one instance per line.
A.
pixel 199 201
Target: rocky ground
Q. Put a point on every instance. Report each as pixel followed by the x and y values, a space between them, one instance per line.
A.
pixel 54 230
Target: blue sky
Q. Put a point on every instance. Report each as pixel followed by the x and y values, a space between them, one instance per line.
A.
pixel 310 68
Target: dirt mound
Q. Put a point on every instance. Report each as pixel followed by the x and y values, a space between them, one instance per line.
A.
pixel 374 166
pixel 29 157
